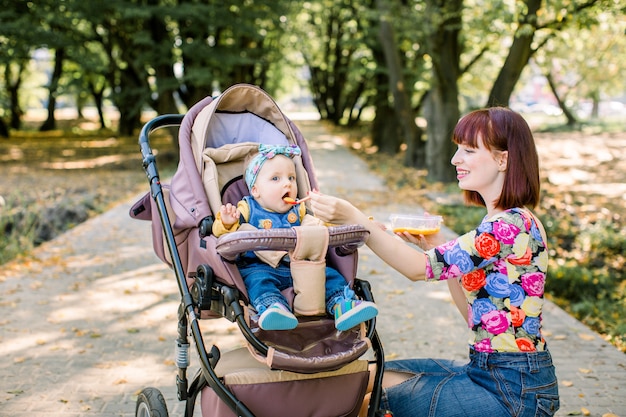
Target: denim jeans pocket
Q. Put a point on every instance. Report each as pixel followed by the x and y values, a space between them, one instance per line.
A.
pixel 547 405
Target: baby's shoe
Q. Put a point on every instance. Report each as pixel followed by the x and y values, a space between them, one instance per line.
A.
pixel 349 313
pixel 277 317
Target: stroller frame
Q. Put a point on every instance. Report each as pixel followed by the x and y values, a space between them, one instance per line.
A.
pixel 209 295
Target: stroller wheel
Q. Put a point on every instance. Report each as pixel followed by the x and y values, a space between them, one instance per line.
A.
pixel 150 403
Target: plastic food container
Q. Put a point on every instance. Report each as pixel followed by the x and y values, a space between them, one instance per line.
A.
pixel 416 225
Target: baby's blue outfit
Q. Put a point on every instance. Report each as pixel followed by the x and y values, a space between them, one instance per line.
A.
pixel 264 282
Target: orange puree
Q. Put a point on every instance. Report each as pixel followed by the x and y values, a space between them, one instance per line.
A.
pixel 416 231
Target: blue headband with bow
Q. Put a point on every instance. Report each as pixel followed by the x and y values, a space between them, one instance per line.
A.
pixel 267 152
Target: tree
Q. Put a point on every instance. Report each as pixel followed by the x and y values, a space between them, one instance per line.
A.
pixel 18 36
pixel 331 37
pixel 584 65
pixel 524 44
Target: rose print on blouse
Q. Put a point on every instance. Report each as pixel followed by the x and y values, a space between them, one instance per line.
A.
pixel 495 322
pixel 502 267
pixel 533 283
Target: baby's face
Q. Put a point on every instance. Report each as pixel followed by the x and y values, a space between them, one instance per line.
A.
pixel 276 180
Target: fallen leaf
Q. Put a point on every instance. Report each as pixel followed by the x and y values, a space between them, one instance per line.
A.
pixel 586 336
pixel 120 381
pixel 567 383
pixel 585 371
pixel 585 411
pixel 609 415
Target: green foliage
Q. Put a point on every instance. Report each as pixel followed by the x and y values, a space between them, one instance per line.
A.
pixel 461 218
pixel 588 280
pixel 17 225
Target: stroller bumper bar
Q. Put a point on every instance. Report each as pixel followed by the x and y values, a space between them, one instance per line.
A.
pixel 229 246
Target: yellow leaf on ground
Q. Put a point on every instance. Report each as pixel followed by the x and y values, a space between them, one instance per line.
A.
pixel 586 336
pixel 585 371
pixel 585 411
pixel 567 383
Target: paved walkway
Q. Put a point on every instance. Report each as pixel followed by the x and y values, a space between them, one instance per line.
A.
pixel 92 320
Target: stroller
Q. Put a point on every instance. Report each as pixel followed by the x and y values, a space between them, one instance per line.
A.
pixel 313 370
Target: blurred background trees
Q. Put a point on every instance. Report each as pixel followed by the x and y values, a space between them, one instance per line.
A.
pixel 411 67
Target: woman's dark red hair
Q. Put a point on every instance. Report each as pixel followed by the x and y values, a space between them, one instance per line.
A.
pixel 502 129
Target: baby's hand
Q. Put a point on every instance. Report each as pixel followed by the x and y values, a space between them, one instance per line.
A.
pixel 229 214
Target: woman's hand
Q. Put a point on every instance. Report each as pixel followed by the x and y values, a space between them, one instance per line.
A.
pixel 425 242
pixel 335 210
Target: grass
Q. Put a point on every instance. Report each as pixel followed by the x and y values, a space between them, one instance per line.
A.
pixel 55 180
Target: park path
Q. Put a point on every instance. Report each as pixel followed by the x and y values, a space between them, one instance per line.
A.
pixel 91 319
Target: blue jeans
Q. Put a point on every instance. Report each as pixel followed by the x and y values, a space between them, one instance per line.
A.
pixel 264 284
pixel 491 384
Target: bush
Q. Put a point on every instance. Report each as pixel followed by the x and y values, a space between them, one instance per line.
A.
pixel 587 277
pixel 27 223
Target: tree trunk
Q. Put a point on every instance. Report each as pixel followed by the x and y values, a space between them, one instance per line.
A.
pixel 571 119
pixel 409 131
pixel 98 99
pixel 50 123
pixel 166 81
pixel 442 108
pixel 13 84
pixel 4 129
pixel 129 101
pixel 518 57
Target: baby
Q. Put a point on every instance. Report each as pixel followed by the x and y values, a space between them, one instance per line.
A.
pixel 271 179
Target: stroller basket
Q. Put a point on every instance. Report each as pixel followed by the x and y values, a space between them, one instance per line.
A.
pixel 296 366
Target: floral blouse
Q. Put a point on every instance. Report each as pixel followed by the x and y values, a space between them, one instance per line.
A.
pixel 502 268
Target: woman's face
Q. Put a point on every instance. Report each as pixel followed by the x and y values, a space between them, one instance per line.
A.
pixel 276 180
pixel 481 170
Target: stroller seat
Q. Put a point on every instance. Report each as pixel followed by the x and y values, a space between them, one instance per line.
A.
pixel 331 393
pixel 299 366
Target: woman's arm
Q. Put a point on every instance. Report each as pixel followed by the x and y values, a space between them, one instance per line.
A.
pixel 407 260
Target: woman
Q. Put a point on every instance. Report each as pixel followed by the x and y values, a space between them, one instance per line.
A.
pixel 499 269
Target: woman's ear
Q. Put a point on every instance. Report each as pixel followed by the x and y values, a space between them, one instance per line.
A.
pixel 503 160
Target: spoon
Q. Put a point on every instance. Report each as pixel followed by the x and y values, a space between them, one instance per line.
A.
pixel 290 200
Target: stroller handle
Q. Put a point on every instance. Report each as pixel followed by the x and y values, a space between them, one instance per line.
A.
pixel 149 161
